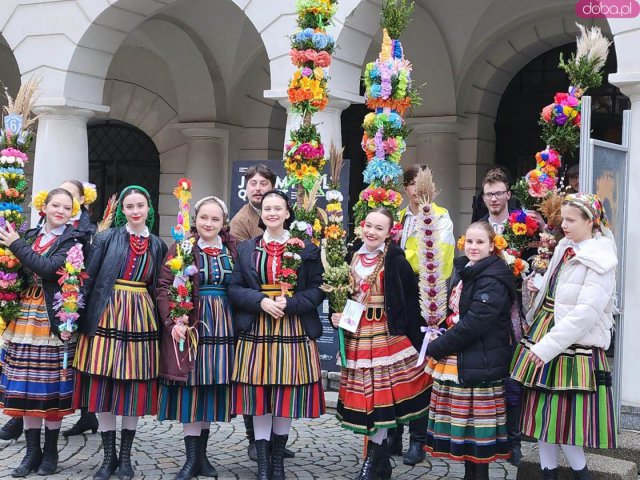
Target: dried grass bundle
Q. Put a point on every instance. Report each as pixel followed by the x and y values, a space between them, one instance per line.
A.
pixel 336 162
pixel 550 209
pixel 592 45
pixel 425 186
pixel 24 102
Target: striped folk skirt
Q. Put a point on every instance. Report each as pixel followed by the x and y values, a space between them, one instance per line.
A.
pixel 380 386
pixel 468 422
pixel 206 396
pixel 33 381
pixel 570 400
pixel 118 366
pixel 277 370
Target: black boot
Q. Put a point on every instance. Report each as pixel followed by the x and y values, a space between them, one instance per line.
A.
pixel 248 426
pixel 548 474
pixel 192 464
pixel 32 459
pixel 206 469
pixel 125 470
pixel 383 466
pixel 415 454
pixel 278 443
pixel 110 459
pixel 49 452
pixel 482 471
pixel 12 429
pixel 87 421
pixel 264 459
pixel 395 440
pixel 514 435
pixel 377 464
pixel 583 474
pixel 469 470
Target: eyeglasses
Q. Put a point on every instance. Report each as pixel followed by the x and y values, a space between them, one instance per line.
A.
pixel 498 195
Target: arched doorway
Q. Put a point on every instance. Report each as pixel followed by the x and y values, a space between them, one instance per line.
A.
pixel 121 155
pixel 533 87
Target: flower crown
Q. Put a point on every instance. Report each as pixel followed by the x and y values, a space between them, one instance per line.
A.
pixel 499 243
pixel 39 198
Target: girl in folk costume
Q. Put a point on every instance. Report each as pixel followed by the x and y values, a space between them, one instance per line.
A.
pixel 561 362
pixel 35 384
pixel 381 385
pixel 277 366
pixel 117 357
pixel 467 414
pixel 195 386
pixel 81 221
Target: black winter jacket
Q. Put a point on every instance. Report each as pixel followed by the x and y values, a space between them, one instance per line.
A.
pixel 482 338
pixel 46 267
pixel 245 295
pixel 106 258
pixel 401 300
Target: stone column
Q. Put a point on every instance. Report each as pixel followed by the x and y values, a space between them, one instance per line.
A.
pixel 62 149
pixel 328 122
pixel 207 159
pixel 630 389
pixel 436 141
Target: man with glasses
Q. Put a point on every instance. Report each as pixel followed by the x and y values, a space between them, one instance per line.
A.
pixel 496 196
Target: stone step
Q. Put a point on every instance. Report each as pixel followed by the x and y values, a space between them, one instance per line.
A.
pixel 601 468
pixel 628 448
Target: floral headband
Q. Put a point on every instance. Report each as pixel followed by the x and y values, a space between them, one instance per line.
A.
pixel 212 198
pixel 591 205
pixel 38 202
pixel 499 243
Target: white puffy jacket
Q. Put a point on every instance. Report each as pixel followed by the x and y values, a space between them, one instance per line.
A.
pixel 584 300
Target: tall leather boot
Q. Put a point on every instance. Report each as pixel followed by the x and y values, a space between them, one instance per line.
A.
pixel 264 459
pixel 125 469
pixel 417 438
pixel 32 459
pixel 191 466
pixel 12 429
pixel 482 471
pixel 278 442
pixel 469 470
pixel 248 426
pixel 383 463
pixel 394 436
pixel 110 458
pixel 49 452
pixel 87 421
pixel 550 474
pixel 206 469
pixel 368 470
pixel 514 435
pixel 583 474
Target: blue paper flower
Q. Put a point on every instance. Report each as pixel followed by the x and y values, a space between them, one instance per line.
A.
pixel 374 92
pixel 320 41
pixel 395 120
pixel 380 169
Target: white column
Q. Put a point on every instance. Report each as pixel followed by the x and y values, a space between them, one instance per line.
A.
pixel 207 159
pixel 437 145
pixel 62 150
pixel 630 389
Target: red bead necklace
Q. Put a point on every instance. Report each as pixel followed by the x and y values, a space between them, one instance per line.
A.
pixel 274 249
pixel 138 245
pixel 212 251
pixel 40 249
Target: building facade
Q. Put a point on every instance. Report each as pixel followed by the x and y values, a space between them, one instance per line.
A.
pixel 205 82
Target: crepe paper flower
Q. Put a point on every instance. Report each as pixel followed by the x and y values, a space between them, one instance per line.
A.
pixel 38 199
pixel 90 193
pixel 500 243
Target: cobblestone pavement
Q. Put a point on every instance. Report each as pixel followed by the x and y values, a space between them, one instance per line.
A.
pixel 323 451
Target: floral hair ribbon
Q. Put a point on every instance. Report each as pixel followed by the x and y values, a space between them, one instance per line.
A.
pixel 591 205
pixel 90 193
pixel 499 243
